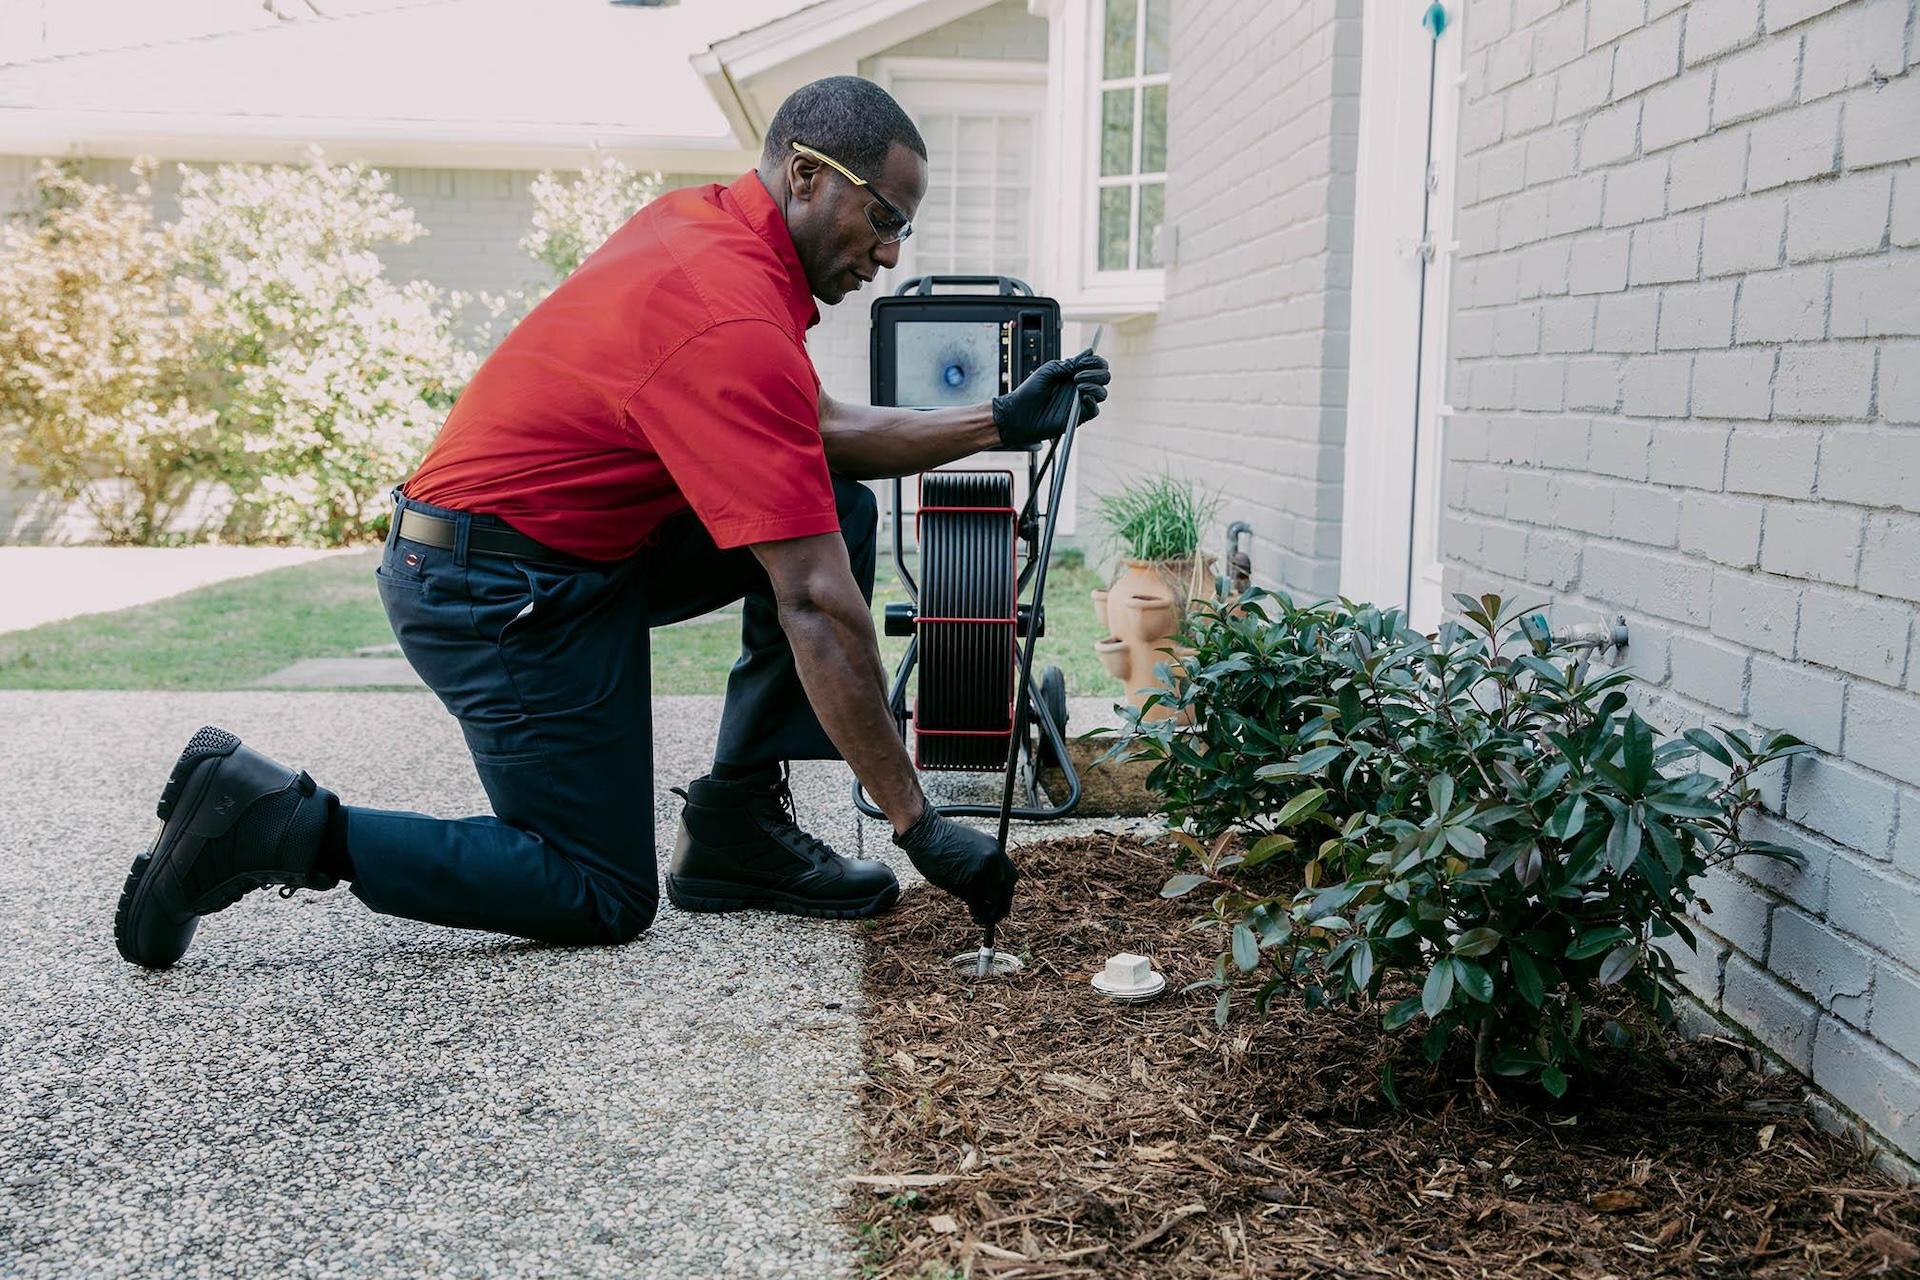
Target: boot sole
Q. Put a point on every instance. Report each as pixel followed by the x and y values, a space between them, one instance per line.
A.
pixel 718 896
pixel 208 742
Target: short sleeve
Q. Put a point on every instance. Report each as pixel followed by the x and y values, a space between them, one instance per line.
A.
pixel 734 415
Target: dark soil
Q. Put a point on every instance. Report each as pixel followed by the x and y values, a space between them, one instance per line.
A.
pixel 1027 1127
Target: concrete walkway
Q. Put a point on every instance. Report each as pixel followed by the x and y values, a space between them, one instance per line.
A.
pixel 319 1091
pixel 46 584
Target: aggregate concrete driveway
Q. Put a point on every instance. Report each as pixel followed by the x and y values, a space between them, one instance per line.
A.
pixel 319 1091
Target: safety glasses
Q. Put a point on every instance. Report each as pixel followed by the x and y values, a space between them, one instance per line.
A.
pixel 891 225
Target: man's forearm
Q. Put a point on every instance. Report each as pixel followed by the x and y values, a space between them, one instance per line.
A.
pixel 867 443
pixel 838 660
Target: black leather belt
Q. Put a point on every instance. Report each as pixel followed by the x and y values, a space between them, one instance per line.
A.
pixel 493 539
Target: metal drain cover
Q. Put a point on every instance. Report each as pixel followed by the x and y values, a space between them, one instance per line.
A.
pixel 1000 965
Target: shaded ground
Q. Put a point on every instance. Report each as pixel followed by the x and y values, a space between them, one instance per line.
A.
pixel 1028 1128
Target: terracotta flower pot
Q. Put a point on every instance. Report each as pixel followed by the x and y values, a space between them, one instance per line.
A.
pixel 1144 610
pixel 1114 655
pixel 1100 608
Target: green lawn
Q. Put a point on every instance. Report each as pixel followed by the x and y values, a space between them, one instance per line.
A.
pixel 231 634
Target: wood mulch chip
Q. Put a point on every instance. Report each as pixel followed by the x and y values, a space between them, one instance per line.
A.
pixel 1028 1128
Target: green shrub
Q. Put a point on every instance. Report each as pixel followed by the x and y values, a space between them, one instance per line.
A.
pixel 1525 839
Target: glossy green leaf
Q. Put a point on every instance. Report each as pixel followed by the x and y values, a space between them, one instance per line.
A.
pixel 1437 993
pixel 1181 885
pixel 1476 942
pixel 1246 948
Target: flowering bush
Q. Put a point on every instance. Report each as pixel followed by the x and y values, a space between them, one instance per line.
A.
pixel 572 219
pixel 333 378
pixel 103 394
pixel 1479 815
pixel 255 341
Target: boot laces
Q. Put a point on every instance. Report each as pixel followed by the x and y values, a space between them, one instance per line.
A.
pixel 781 793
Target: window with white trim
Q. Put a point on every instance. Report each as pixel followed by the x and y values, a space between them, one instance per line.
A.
pixel 1131 157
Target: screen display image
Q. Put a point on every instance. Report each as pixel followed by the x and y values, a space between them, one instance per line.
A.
pixel 941 363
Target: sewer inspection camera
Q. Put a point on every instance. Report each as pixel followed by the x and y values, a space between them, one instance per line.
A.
pixel 970 657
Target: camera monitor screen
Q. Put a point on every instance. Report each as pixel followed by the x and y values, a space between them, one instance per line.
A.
pixel 946 362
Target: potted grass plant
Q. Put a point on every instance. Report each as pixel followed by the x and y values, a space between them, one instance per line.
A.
pixel 1155 523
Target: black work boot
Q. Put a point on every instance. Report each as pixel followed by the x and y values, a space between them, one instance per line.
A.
pixel 233 821
pixel 740 847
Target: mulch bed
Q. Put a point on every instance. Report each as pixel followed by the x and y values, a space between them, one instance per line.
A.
pixel 1028 1128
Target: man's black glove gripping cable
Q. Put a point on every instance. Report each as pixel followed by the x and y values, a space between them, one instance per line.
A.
pixel 966 863
pixel 1037 409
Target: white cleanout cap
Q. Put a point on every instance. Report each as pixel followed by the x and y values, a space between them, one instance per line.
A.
pixel 1129 977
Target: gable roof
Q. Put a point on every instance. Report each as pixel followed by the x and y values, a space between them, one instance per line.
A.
pixel 481 83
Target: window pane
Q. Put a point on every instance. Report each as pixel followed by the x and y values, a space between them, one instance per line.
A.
pixel 1155 53
pixel 1153 211
pixel 1114 208
pixel 1122 16
pixel 1153 130
pixel 1116 131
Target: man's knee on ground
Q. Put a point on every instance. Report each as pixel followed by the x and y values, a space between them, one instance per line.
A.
pixel 625 914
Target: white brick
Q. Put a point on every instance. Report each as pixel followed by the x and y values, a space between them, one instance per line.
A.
pixel 1890 557
pixel 1880 123
pixel 1540 384
pixel 1636 192
pixel 1849 631
pixel 1883 731
pixel 1715 26
pixel 1779 1017
pixel 1659 584
pixel 1757 81
pixel 1656 386
pixel 1593 384
pixel 1692 454
pixel 1877 298
pixel 1529 105
pixel 1848 806
pixel 1784 306
pixel 1677 112
pixel 1559 39
pixel 1553 562
pixel 1647 514
pixel 1486 23
pixel 1550 156
pixel 1851 48
pixel 1501 171
pixel 1709 170
pixel 1543 268
pixel 1509 61
pixel 1599 263
pixel 1823 382
pixel 1836 972
pixel 1794 145
pixel 1755 611
pixel 1736 909
pixel 1472 335
pixel 1746 235
pixel 1734 384
pixel 1666 251
pixel 1905 231
pixel 1906 839
pixel 1780 461
pixel 1576 204
pixel 1784 13
pixel 1619 447
pixel 1881 907
pixel 1647 57
pixel 1712 672
pixel 1722 529
pixel 1611 21
pixel 1627 321
pixel 1566 325
pixel 1562 443
pixel 1871 1082
pixel 1805 701
pixel 1695 316
pixel 1900 382
pixel 1874 466
pixel 1516 331
pixel 1804 540
pixel 1833 219
pixel 1583 85
pixel 1896 1009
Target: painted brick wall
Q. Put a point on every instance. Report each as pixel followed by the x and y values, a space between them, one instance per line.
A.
pixel 1241 378
pixel 1686 365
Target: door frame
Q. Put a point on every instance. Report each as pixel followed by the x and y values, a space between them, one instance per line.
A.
pixel 1396 420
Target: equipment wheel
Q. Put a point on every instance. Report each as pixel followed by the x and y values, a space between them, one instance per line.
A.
pixel 1051 692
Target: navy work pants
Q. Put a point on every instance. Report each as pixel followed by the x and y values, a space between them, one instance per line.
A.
pixel 546 667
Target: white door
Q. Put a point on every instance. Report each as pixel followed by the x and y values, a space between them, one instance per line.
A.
pixel 1403 254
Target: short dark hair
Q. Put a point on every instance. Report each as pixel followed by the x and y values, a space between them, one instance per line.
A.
pixel 853 120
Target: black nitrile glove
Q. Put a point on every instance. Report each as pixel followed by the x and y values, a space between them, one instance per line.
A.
pixel 1037 409
pixel 966 863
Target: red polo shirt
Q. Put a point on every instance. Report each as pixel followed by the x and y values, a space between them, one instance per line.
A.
pixel 670 370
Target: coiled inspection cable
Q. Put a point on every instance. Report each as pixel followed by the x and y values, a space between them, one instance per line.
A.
pixel 963 710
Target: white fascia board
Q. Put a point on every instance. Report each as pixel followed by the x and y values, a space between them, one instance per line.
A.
pixel 863 26
pixel 390 142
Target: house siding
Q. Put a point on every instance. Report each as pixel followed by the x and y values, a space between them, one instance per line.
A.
pixel 1684 348
pixel 1240 380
